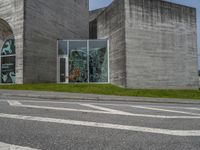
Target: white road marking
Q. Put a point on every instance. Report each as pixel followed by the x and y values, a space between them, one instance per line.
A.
pixel 93 103
pixel 166 110
pixel 184 133
pixel 188 108
pixel 142 107
pixel 14 103
pixel 105 109
pixel 191 108
pixel 78 102
pixel 4 146
pixel 18 104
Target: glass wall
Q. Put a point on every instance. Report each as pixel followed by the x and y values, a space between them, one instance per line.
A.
pixel 8 62
pixel 78 70
pixel 98 61
pixel 83 61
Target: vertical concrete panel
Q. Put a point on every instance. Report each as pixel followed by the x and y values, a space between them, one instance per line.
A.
pixel 161 45
pixel 93 22
pixel 45 22
pixel 83 3
pixel 111 25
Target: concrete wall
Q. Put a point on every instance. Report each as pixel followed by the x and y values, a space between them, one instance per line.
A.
pixel 95 13
pixel 12 12
pixel 153 44
pixel 161 45
pixel 111 25
pixel 45 22
pixel 82 3
pixel 93 22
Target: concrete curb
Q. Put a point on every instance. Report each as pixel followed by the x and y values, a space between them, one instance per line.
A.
pixel 89 97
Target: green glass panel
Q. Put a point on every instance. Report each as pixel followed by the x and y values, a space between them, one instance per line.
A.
pixel 78 63
pixel 8 47
pixel 98 62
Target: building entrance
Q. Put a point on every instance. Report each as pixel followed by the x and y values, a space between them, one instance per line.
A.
pixel 63 70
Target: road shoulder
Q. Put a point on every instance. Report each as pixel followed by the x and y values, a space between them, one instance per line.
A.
pixel 93 97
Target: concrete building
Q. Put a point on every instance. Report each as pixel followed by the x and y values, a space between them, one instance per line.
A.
pixel 35 26
pixel 153 44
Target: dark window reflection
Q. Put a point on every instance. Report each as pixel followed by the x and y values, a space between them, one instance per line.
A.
pixel 62 47
pixel 62 70
pixel 8 69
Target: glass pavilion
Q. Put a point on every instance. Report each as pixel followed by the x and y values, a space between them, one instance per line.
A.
pixel 83 61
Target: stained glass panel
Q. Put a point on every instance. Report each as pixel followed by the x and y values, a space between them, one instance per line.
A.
pixel 8 69
pixel 78 65
pixel 8 47
pixel 98 62
pixel 8 74
pixel 87 61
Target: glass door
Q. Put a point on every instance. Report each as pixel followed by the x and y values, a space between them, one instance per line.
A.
pixel 63 70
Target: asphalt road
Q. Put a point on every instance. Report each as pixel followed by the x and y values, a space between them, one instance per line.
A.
pixel 91 125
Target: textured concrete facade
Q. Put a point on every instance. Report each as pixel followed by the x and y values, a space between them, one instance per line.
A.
pixel 158 43
pixel 12 13
pixel 111 25
pixel 36 25
pixel 161 46
pixel 45 22
pixel 93 22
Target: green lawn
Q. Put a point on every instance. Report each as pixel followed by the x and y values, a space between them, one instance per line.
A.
pixel 107 89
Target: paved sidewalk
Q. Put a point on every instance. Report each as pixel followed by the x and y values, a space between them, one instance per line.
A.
pixel 78 96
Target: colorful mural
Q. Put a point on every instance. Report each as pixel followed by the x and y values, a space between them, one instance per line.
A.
pixel 98 61
pixel 8 62
pixel 78 61
pixel 88 60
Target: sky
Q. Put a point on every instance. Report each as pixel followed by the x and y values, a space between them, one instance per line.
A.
pixel 94 4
